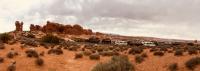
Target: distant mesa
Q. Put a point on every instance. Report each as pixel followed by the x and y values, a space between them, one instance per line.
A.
pixel 56 28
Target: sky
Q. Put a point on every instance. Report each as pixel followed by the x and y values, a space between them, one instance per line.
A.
pixel 177 19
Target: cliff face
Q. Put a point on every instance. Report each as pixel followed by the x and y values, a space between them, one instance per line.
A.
pixel 60 28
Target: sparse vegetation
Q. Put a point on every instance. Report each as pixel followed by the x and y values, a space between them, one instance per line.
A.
pixel 173 67
pixel 12 67
pixel 178 52
pixel 32 53
pixel 57 51
pixel 1 59
pixel 5 37
pixel 192 63
pixel 39 61
pixel 78 55
pixel 139 59
pixel 11 54
pixel 136 50
pixel 49 38
pixel 117 63
pixel 192 50
pixel 95 56
pixel 158 53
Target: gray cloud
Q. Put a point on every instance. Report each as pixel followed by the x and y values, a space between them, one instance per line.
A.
pixel 157 18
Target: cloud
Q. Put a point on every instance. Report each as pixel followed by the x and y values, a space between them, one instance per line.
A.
pixel 157 18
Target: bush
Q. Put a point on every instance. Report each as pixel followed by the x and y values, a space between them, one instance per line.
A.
pixel 158 53
pixel 192 50
pixel 32 53
pixel 49 38
pixel 11 55
pixel 39 61
pixel 192 63
pixel 78 55
pixel 136 50
pixel 87 52
pixel 5 37
pixel 144 55
pixel 1 59
pixel 117 63
pixel 12 67
pixel 95 56
pixel 173 67
pixel 30 35
pixel 139 59
pixel 178 52
pixel 57 51
pixel 153 49
pixel 2 46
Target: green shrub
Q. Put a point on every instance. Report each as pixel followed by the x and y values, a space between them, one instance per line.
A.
pixel 49 38
pixel 5 37
pixel 192 63
pixel 117 63
pixel 173 67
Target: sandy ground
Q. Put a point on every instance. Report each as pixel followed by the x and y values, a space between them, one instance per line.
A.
pixel 66 62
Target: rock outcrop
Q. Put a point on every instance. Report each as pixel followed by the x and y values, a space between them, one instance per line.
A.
pixel 60 28
pixel 19 26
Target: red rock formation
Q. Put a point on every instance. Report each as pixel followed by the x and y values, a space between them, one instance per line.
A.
pixel 19 26
pixel 59 28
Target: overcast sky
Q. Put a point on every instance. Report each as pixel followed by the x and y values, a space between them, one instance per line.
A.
pixel 155 18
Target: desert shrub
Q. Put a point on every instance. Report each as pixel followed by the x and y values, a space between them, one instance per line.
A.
pixel 192 50
pixel 192 63
pixel 5 37
pixel 10 54
pixel 2 46
pixel 144 55
pixel 139 59
pixel 78 55
pixel 117 63
pixel 1 59
pixel 57 51
pixel 136 50
pixel 173 67
pixel 87 52
pixel 42 53
pixel 170 51
pixel 39 61
pixel 153 49
pixel 178 52
pixel 29 41
pixel 93 40
pixel 163 49
pixel 95 56
pixel 49 38
pixel 12 67
pixel 30 35
pixel 107 53
pixel 31 53
pixel 158 53
pixel 73 48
